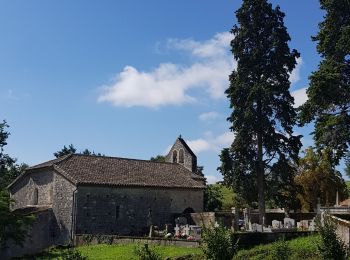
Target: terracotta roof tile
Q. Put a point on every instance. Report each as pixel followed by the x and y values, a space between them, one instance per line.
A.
pixel 102 170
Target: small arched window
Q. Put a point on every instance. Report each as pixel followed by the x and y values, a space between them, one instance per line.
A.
pixel 174 156
pixel 35 196
pixel 181 156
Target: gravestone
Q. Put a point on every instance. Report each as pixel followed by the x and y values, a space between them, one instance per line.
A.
pixel 257 228
pixel 276 224
pixel 289 223
pixel 177 230
pixel 186 230
pixel 312 226
pixel 304 224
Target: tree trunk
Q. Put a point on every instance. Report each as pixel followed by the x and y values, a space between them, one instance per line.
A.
pixel 260 169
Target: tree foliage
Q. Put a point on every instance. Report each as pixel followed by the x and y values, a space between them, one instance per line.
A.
pixel 88 152
pixel 218 242
pixel 263 115
pixel 65 151
pixel 12 226
pixel 212 198
pixel 330 246
pixel 72 150
pixel 319 179
pixel 328 101
pixel 9 170
pixel 158 158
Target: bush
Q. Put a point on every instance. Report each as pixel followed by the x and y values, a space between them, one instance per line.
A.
pixel 145 253
pixel 330 246
pixel 72 254
pixel 280 250
pixel 218 243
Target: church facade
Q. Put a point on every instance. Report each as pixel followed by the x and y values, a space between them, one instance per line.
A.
pixel 88 194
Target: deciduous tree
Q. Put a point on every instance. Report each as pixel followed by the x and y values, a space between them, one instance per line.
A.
pixel 319 179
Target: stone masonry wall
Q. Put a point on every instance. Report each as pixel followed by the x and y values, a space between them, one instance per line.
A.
pixel 39 237
pixel 23 191
pixel 129 211
pixel 190 162
pixel 62 207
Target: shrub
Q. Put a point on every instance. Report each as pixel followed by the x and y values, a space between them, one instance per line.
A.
pixel 72 254
pixel 218 243
pixel 145 253
pixel 280 250
pixel 330 246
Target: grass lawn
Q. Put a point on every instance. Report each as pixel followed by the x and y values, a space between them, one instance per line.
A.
pixel 121 252
pixel 300 248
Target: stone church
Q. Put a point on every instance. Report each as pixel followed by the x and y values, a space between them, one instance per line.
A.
pixel 87 194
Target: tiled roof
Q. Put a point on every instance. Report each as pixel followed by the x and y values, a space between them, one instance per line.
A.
pixel 102 170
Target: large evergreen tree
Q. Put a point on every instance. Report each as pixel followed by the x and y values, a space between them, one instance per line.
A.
pixel 328 101
pixel 263 115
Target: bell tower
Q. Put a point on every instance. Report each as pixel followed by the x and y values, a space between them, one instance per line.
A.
pixel 182 154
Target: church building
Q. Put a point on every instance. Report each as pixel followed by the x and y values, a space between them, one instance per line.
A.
pixel 87 194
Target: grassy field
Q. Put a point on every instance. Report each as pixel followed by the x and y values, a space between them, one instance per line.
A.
pixel 120 252
pixel 300 248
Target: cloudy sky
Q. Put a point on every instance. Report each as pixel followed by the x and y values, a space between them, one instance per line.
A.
pixel 126 78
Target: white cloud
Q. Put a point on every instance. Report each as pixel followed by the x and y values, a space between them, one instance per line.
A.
pixel 218 46
pixel 295 75
pixel 168 84
pixel 211 179
pixel 300 96
pixel 208 116
pixel 211 143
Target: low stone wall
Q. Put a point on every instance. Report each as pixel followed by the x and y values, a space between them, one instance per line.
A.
pixel 343 230
pixel 86 239
pixel 250 239
pixel 246 239
pixel 269 216
pixel 227 218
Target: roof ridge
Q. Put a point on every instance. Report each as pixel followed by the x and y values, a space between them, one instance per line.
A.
pixel 122 158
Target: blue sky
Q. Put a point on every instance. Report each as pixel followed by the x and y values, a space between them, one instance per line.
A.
pixel 125 78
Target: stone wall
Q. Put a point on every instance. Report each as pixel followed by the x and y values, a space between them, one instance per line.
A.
pixel 63 208
pixel 52 189
pixel 130 210
pixel 190 161
pixel 24 191
pixel 343 230
pixel 39 236
pixel 81 240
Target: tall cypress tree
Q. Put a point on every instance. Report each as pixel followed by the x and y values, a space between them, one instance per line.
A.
pixel 328 101
pixel 263 115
